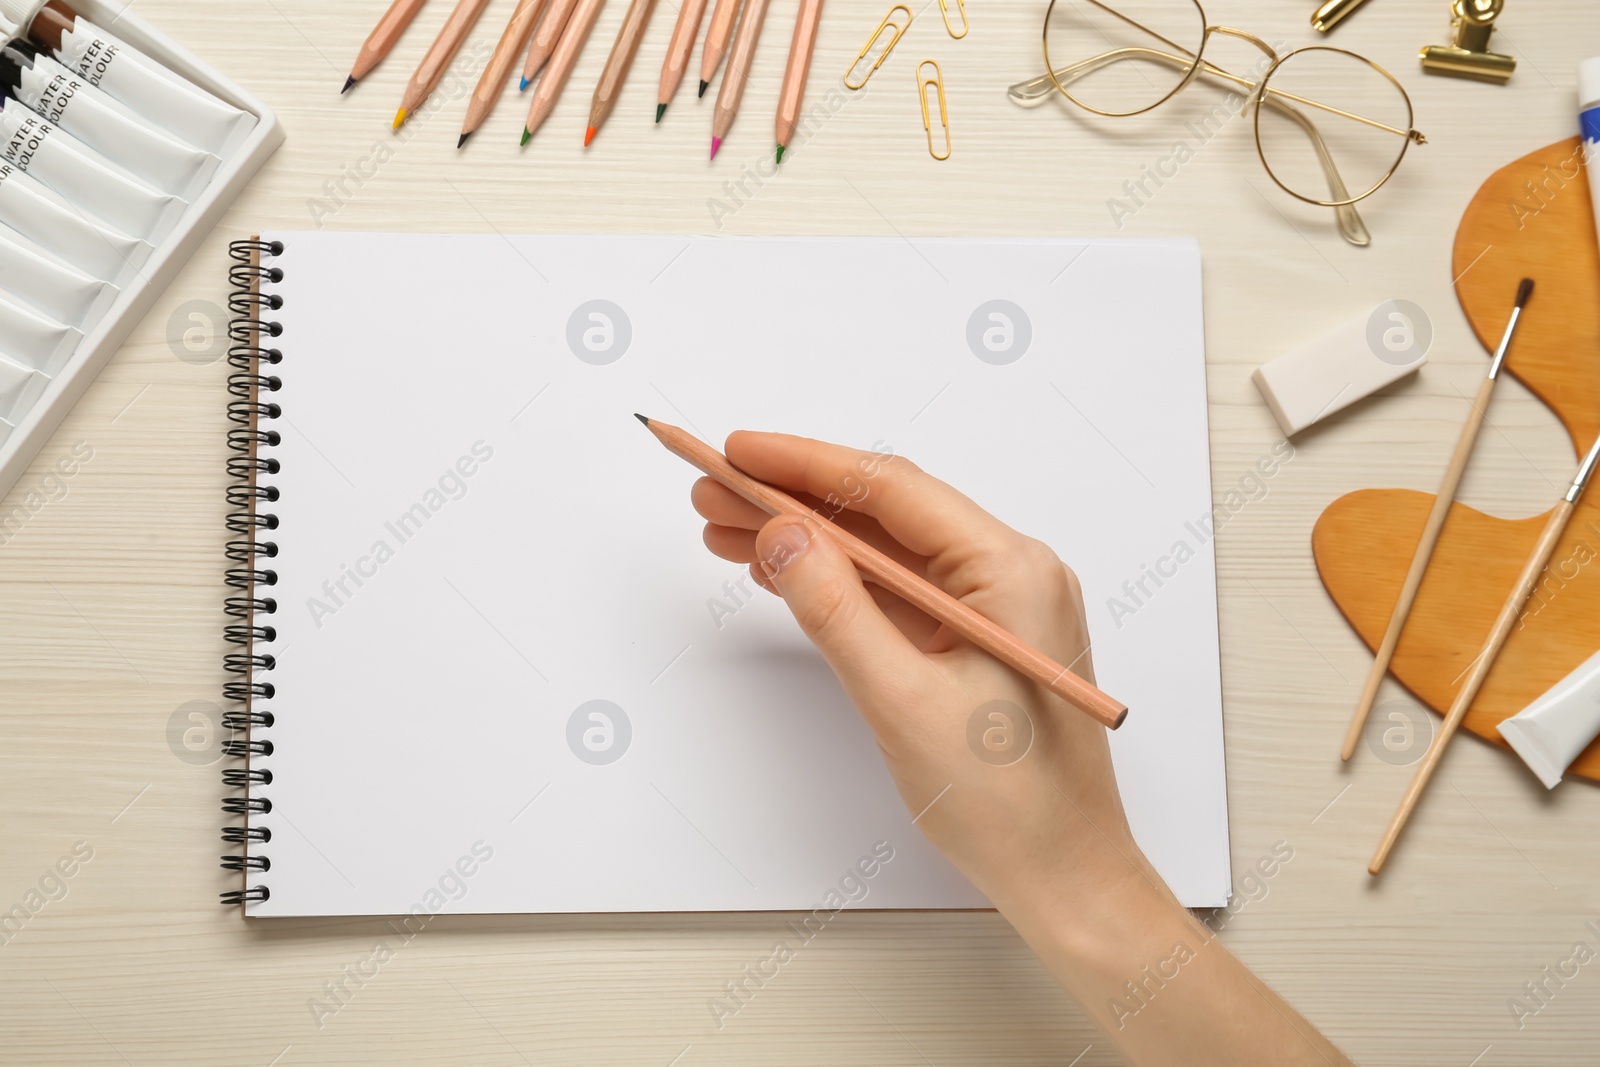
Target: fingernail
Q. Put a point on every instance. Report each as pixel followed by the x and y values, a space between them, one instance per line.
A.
pixel 784 546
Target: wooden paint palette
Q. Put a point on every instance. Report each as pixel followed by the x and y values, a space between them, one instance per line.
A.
pixel 1532 218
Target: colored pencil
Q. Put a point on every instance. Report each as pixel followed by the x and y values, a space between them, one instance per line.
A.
pixel 617 65
pixel 493 82
pixel 434 65
pixel 793 93
pixel 723 16
pixel 676 64
pixel 738 73
pixel 1432 528
pixel 885 572
pixel 383 38
pixel 562 61
pixel 546 37
pixel 1554 526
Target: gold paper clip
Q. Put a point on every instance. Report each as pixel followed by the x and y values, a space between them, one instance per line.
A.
pixel 887 23
pixel 937 81
pixel 961 6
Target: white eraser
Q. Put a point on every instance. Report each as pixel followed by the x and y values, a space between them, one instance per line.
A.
pixel 1356 360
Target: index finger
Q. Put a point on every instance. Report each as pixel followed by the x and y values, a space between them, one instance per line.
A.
pixel 921 512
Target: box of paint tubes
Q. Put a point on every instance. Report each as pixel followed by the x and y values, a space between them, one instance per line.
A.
pixel 119 152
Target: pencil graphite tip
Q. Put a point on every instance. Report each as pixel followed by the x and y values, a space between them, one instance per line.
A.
pixel 463 139
pixel 641 418
pixel 588 136
pixel 716 143
pixel 399 118
pixel 780 153
pixel 523 87
pixel 526 133
pixel 349 83
pixel 703 87
pixel 661 109
pixel 1523 291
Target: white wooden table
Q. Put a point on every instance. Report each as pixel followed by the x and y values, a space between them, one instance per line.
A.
pixel 110 586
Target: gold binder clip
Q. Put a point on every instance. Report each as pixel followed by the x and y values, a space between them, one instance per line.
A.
pixel 887 23
pixel 961 6
pixel 1468 55
pixel 937 81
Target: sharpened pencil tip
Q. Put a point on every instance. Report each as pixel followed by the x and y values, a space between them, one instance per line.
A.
pixel 588 136
pixel 703 87
pixel 526 133
pixel 523 87
pixel 716 143
pixel 462 139
pixel 661 109
pixel 349 82
pixel 780 153
pixel 641 418
pixel 1523 290
pixel 399 118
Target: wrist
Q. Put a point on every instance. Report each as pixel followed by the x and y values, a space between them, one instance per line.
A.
pixel 1099 920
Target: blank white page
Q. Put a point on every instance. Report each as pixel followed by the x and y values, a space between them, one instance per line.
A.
pixel 477 541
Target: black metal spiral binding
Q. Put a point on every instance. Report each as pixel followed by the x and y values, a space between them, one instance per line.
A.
pixel 250 407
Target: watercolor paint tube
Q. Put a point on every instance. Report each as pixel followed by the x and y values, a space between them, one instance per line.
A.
pixel 44 86
pixel 83 176
pixel 30 208
pixel 39 280
pixel 1589 127
pixel 163 97
pixel 20 386
pixel 34 341
pixel 1550 732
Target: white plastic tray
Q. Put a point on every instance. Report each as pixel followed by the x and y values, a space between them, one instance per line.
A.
pixel 34 427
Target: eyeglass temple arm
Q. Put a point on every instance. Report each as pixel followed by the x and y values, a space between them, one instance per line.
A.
pixel 1033 91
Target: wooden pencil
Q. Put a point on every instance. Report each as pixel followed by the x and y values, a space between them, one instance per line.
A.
pixel 1484 661
pixel 546 37
pixel 493 82
pixel 793 93
pixel 562 61
pixel 740 57
pixel 617 66
pixel 885 572
pixel 1431 529
pixel 433 66
pixel 676 64
pixel 723 16
pixel 383 38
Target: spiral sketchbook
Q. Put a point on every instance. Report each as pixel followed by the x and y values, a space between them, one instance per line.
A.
pixel 481 659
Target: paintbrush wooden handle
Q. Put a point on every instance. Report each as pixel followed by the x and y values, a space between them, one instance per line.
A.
pixel 1419 564
pixel 929 598
pixel 1481 666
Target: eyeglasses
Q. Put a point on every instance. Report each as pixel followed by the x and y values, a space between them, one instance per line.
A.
pixel 1125 62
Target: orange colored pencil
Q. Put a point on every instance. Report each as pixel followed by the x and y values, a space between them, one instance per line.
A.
pixel 723 16
pixel 546 37
pixel 383 38
pixel 793 93
pixel 918 592
pixel 676 65
pixel 493 82
pixel 433 66
pixel 617 66
pixel 573 38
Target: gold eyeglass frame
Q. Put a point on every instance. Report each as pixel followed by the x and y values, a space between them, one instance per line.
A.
pixel 1261 93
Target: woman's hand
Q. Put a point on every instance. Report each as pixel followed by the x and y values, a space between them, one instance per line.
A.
pixel 1014 785
pixel 984 757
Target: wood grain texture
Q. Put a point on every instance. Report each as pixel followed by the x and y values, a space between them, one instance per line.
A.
pixel 111 580
pixel 1531 218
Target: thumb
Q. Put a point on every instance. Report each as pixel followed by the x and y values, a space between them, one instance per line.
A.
pixel 810 570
